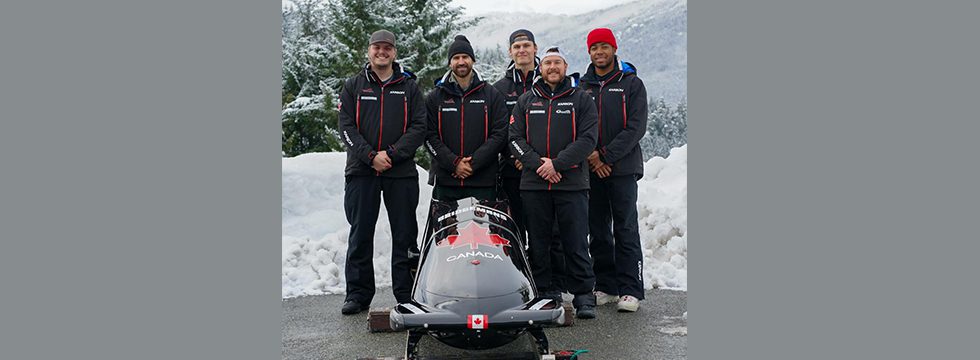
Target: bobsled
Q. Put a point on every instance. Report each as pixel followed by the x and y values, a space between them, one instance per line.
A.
pixel 473 287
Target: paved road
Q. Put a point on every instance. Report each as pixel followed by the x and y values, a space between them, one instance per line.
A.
pixel 313 328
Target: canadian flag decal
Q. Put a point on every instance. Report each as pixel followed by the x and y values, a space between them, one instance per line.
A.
pixel 476 321
pixel 512 119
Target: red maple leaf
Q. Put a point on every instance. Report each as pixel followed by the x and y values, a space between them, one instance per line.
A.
pixel 474 235
pixel 477 321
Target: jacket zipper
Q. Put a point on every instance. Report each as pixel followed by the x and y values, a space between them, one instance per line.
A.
pixel 381 124
pixel 624 110
pixel 462 123
pixel 548 141
pixel 602 84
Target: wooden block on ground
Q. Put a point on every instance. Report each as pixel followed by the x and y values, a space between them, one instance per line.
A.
pixel 378 320
pixel 569 316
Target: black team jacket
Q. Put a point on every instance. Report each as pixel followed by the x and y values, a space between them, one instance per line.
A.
pixel 462 123
pixel 513 85
pixel 376 116
pixel 621 100
pixel 560 125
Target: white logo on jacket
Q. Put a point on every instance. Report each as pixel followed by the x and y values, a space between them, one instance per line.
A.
pixel 369 98
pixel 396 92
pixel 450 109
pixel 565 104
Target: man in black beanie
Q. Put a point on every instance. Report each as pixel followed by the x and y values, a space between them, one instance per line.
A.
pixel 467 128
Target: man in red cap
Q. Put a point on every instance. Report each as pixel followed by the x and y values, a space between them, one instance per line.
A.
pixel 616 164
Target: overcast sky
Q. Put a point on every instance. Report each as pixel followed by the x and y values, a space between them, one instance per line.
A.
pixel 568 7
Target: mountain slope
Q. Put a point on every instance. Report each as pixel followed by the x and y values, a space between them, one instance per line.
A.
pixel 651 34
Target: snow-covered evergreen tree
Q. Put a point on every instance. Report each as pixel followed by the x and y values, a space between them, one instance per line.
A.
pixel 666 129
pixel 325 41
pixel 424 31
pixel 308 76
pixel 491 63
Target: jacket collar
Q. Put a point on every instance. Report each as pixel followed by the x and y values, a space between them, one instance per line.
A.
pixel 448 83
pixel 620 70
pixel 397 74
pixel 514 74
pixel 565 88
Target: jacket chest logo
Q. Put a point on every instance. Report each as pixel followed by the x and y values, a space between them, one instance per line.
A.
pixel 537 103
pixel 615 89
pixel 367 91
pixel 395 92
pixel 449 109
pixel 565 104
pixel 477 101
pixel 537 112
pixel 369 98
pixel 449 101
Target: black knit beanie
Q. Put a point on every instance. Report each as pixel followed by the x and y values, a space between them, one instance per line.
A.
pixel 461 45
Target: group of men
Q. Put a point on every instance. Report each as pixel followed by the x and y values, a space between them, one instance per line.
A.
pixel 559 148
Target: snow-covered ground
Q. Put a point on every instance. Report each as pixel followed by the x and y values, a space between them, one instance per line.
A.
pixel 314 228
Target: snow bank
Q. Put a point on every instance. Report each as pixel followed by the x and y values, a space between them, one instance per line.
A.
pixel 662 208
pixel 315 229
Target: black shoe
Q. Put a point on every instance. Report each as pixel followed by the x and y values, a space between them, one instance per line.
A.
pixel 352 307
pixel 585 312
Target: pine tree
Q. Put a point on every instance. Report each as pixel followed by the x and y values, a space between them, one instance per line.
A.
pixel 425 31
pixel 350 27
pixel 308 107
pixel 325 42
pixel 491 63
pixel 679 121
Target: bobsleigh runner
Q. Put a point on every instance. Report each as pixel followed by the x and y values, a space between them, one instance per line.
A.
pixel 473 287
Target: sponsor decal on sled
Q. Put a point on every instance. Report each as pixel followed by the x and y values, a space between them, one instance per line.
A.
pixel 470 254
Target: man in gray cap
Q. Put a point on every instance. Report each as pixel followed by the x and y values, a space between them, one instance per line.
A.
pixel 382 123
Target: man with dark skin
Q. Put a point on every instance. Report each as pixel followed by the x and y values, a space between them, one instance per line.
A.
pixel 382 123
pixel 616 164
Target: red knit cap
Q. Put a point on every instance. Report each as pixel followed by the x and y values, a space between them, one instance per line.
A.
pixel 601 35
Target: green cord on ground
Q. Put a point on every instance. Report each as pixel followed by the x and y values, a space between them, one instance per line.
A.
pixel 575 355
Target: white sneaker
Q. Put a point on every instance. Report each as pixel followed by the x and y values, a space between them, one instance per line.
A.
pixel 628 304
pixel 602 298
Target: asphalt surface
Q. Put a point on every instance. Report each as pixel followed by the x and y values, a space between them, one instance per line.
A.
pixel 313 328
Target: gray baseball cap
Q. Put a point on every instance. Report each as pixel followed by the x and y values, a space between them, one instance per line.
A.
pixel 382 36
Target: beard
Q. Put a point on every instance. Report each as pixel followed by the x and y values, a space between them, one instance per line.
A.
pixel 462 71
